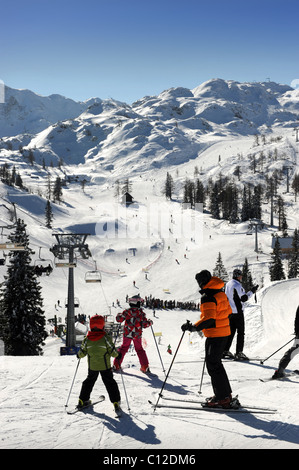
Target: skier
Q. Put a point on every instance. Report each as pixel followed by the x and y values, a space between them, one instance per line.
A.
pixel 98 346
pixel 214 322
pixel 135 320
pixel 291 353
pixel 236 295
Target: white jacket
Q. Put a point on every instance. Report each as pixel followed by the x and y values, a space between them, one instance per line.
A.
pixel 236 295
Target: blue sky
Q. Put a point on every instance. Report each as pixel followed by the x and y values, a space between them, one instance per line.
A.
pixel 126 49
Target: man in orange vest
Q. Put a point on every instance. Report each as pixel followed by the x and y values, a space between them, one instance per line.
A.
pixel 214 323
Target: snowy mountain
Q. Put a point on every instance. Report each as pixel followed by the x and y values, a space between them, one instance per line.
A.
pixel 157 131
pixel 153 247
pixel 25 112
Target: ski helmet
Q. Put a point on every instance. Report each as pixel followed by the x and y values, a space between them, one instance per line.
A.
pixel 135 301
pixel 237 273
pixel 203 278
pixel 97 322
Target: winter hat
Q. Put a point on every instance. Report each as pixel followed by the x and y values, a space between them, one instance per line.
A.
pixel 97 322
pixel 203 277
pixel 237 273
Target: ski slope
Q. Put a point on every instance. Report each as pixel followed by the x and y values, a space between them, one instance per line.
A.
pixel 34 390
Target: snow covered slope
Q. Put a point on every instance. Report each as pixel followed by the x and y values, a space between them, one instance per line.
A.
pixel 34 390
pixel 153 248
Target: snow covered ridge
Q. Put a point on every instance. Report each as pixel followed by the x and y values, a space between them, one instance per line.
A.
pixel 164 129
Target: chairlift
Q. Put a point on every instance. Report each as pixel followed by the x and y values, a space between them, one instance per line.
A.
pixel 43 265
pixel 93 276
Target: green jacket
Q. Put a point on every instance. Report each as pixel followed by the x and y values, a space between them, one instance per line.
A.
pixel 99 347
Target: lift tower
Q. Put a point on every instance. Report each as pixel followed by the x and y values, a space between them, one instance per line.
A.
pixel 64 252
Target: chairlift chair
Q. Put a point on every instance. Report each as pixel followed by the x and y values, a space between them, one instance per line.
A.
pixel 93 276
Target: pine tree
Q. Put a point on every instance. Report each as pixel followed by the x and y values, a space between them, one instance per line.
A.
pixel 48 214
pixel 246 276
pixel 22 325
pixel 276 267
pixel 294 261
pixel 169 186
pixel 215 201
pixel 220 270
pixel 57 191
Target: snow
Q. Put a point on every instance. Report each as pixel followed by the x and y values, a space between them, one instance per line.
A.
pixel 171 245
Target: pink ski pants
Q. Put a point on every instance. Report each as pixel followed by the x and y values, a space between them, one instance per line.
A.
pixel 138 348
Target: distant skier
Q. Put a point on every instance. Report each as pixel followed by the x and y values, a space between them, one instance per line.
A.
pixel 99 347
pixel 236 295
pixel 214 323
pixel 135 320
pixel 291 353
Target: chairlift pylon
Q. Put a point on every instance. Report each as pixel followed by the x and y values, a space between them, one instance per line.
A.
pixel 93 276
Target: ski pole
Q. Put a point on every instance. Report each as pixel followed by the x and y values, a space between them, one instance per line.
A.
pixel 160 394
pixel 203 369
pixel 122 378
pixel 72 384
pixel 163 368
pixel 262 362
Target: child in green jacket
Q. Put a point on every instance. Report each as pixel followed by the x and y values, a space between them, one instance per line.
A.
pixel 99 347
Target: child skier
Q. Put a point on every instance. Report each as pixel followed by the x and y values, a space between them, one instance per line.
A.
pixel 98 346
pixel 214 323
pixel 291 353
pixel 135 320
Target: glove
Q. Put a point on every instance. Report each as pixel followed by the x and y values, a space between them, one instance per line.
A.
pixel 187 326
pixel 254 289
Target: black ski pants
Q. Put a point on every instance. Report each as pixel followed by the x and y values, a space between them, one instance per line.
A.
pixel 290 354
pixel 108 380
pixel 237 324
pixel 214 350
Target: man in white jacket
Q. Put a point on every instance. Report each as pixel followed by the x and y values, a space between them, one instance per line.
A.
pixel 237 296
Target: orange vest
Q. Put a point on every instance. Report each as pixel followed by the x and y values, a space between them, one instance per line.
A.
pixel 215 305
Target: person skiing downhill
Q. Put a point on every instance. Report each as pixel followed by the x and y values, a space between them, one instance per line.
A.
pixel 236 295
pixel 135 320
pixel 99 347
pixel 214 322
pixel 290 353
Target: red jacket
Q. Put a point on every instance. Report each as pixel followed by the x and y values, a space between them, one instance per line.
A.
pixel 135 320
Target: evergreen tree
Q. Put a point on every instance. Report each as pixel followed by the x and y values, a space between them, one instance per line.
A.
pixel 48 214
pixel 220 270
pixel 127 186
pixel 246 276
pixel 199 195
pixel 282 221
pixel 215 201
pixel 246 204
pixel 57 191
pixel 169 186
pixel 294 261
pixel 22 325
pixel 276 267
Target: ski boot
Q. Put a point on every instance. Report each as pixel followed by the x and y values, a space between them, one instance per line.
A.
pixel 278 374
pixel 240 356
pixel 117 408
pixel 83 404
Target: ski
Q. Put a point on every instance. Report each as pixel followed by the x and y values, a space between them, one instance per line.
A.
pixel 198 402
pixel 213 410
pixel 76 410
pixel 286 376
